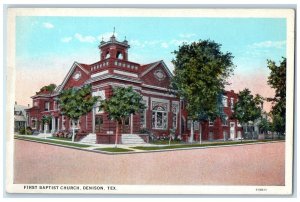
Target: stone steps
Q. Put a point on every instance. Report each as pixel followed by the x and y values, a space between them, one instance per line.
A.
pixel 89 139
pixel 131 139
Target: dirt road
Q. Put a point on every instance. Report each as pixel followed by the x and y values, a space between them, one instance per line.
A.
pixel 260 164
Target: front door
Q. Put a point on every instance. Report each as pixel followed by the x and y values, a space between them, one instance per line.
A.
pixel 232 130
pixel 98 123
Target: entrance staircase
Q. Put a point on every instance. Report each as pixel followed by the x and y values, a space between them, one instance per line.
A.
pixel 89 139
pixel 132 139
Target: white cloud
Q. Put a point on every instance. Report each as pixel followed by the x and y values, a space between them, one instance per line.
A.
pixel 269 44
pixel 135 43
pixel 88 39
pixel 164 45
pixel 66 39
pixel 187 35
pixel 48 25
pixel 179 42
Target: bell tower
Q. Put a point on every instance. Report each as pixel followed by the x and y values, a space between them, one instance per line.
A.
pixel 114 49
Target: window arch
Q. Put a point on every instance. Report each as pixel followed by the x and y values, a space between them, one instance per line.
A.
pixel 107 55
pixel 225 121
pixel 119 55
pixel 159 117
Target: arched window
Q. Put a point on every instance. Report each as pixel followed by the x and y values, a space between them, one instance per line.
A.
pixel 33 124
pixel 107 55
pixel 159 117
pixel 119 55
pixel 225 121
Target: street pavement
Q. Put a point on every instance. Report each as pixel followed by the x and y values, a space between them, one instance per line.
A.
pixel 255 164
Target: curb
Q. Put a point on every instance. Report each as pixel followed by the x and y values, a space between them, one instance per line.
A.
pixel 147 151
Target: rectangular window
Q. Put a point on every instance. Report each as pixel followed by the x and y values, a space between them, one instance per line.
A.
pixel 175 109
pixel 225 135
pixel 143 116
pixel 238 124
pixel 189 124
pixel 159 120
pixel 231 103
pixel 225 121
pixel 36 103
pixel 210 136
pixel 55 107
pixel 210 123
pixel 143 119
pixel 33 124
pixel 174 119
pixel 159 115
pixel 127 121
pixel 196 125
pixel 98 123
pixel 224 101
pixel 47 106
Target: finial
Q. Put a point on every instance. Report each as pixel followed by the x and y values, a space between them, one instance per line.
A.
pixel 125 41
pixel 114 31
pixel 102 42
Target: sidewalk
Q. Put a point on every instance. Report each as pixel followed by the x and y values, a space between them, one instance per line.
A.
pixel 110 148
pixel 43 136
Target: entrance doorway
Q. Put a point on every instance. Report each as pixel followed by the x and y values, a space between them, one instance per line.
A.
pixel 98 123
pixel 232 130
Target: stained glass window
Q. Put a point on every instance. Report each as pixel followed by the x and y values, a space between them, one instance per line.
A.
pixel 159 115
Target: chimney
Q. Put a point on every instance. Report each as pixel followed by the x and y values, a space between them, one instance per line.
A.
pixel 16 103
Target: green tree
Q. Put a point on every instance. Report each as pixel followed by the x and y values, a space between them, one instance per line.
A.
pixel 123 103
pixel 247 108
pixel 46 120
pixel 50 88
pixel 277 80
pixel 264 126
pixel 76 102
pixel 200 74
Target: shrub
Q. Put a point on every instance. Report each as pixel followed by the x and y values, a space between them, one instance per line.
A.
pixel 22 131
pixel 145 131
pixel 27 131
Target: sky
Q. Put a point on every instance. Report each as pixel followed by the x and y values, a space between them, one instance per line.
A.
pixel 46 47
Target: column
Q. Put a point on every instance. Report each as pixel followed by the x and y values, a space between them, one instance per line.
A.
pixel 63 122
pixel 58 124
pixel 93 120
pixel 41 126
pixel 131 123
pixel 53 125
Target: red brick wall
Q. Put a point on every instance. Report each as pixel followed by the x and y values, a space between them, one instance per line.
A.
pixel 150 79
pixel 71 82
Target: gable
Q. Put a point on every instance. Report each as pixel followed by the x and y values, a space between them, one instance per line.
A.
pixel 76 76
pixel 157 75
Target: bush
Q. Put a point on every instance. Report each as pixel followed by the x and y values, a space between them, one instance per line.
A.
pixel 145 131
pixel 22 131
pixel 27 131
pixel 62 134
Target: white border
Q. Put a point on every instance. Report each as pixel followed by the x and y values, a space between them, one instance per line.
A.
pixel 136 12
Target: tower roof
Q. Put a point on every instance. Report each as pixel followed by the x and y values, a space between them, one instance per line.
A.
pixel 112 41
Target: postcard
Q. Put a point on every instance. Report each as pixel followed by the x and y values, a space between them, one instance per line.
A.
pixel 150 101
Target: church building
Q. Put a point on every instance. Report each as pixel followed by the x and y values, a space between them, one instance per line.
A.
pixel 163 112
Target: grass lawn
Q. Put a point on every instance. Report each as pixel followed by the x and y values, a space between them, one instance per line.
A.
pixel 195 145
pixel 112 149
pixel 60 138
pixel 54 142
pixel 166 142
